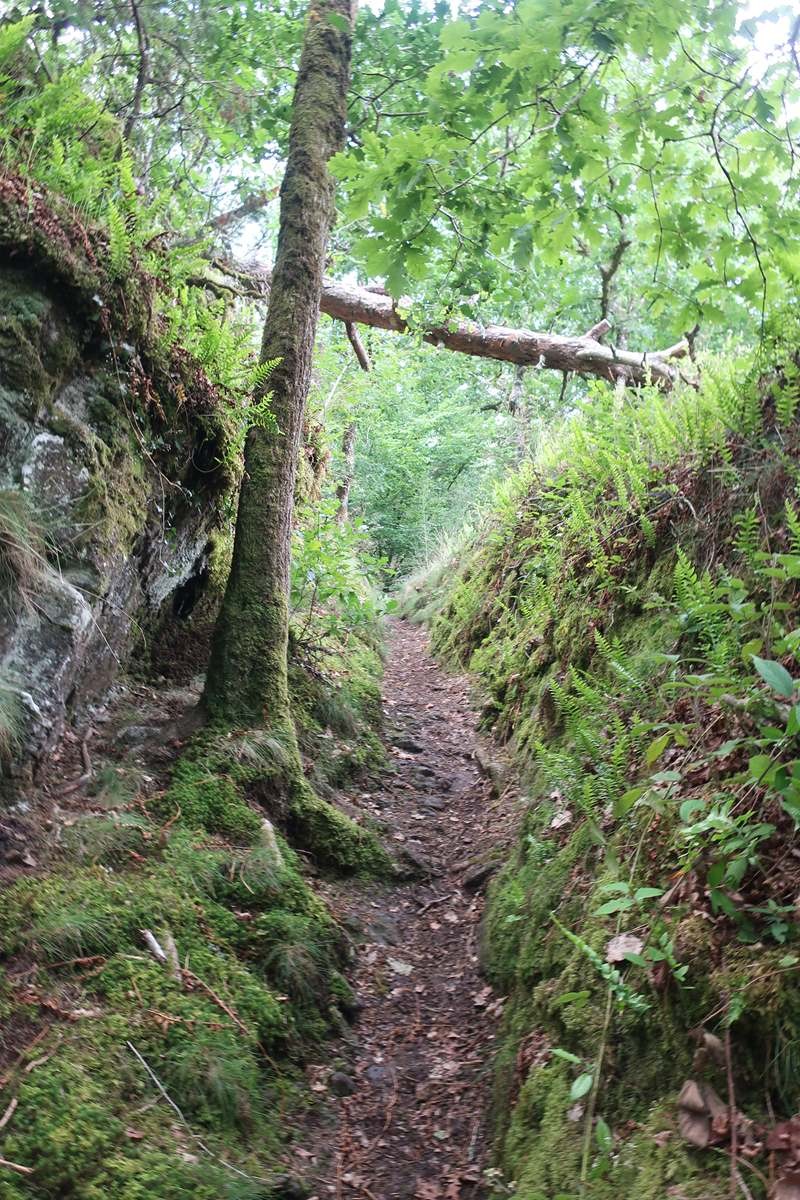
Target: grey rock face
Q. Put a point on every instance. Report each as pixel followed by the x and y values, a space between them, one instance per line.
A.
pixel 111 494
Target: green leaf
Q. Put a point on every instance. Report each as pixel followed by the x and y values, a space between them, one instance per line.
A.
pixel 581 1086
pixel 774 675
pixel 636 959
pixel 689 807
pixel 627 800
pixel 759 767
pixel 619 904
pixel 750 648
pixel 721 902
pixel 578 998
pixel 716 874
pixel 793 721
pixel 567 1055
pixel 647 893
pixel 657 748
pixel 603 1135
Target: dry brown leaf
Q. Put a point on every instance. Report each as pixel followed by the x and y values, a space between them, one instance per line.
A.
pixel 702 1116
pixel 622 945
pixel 787 1187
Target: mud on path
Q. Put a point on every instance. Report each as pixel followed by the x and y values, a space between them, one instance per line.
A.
pixel 415 1080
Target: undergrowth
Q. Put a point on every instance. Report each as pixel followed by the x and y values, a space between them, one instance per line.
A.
pixel 166 978
pixel 631 607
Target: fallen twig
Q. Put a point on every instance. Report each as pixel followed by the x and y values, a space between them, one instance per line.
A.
pixel 25 1050
pixel 39 1062
pixel 86 961
pixel 733 1116
pixel 87 766
pixel 8 1114
pixel 436 900
pixel 190 976
pixel 12 1166
pixel 154 946
pixel 748 1195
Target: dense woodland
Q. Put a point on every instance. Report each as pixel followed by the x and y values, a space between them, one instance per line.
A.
pixel 333 338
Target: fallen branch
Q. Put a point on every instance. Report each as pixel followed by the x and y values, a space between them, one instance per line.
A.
pixel 579 355
pixel 432 903
pixel 87 766
pixel 246 209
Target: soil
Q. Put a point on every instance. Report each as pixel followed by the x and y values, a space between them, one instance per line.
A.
pixel 415 1074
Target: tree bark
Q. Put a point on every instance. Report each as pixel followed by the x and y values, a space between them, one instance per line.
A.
pixel 247 682
pixel 343 489
pixel 524 347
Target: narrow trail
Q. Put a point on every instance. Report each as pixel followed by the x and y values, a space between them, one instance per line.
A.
pixel 415 1084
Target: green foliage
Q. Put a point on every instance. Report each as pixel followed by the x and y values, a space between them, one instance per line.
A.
pixel 619 989
pixel 611 159
pixel 647 676
pixel 24 565
pixel 433 434
pixel 335 580
pixel 293 956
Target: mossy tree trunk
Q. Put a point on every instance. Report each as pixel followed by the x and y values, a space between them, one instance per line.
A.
pixel 247 682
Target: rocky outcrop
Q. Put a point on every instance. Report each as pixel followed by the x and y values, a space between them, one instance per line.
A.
pixel 110 481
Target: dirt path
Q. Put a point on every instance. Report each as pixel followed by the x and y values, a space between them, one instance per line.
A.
pixel 416 1079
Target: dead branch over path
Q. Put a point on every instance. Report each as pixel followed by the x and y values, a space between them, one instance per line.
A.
pixel 579 355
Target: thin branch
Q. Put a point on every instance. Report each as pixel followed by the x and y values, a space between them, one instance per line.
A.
pixel 215 224
pixel 142 73
pixel 359 349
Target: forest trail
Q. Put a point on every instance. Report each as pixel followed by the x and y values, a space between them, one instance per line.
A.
pixel 414 1086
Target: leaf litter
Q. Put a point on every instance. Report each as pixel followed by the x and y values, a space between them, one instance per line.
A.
pixel 415 1126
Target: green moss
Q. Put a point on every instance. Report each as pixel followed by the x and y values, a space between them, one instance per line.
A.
pixel 256 983
pixel 85 1131
pixel 565 607
pixel 205 799
pixel 334 839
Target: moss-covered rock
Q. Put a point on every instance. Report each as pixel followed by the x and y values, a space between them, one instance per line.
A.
pixel 114 441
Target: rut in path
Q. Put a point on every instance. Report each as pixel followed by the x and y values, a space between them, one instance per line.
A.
pixel 417 1075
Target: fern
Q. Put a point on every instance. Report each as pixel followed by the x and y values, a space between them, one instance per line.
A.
pixel 13 37
pixel 119 240
pixel 748 535
pixel 703 613
pixel 787 397
pixel 793 526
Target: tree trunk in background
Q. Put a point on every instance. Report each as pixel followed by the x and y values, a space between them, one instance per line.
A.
pixel 247 681
pixel 349 455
